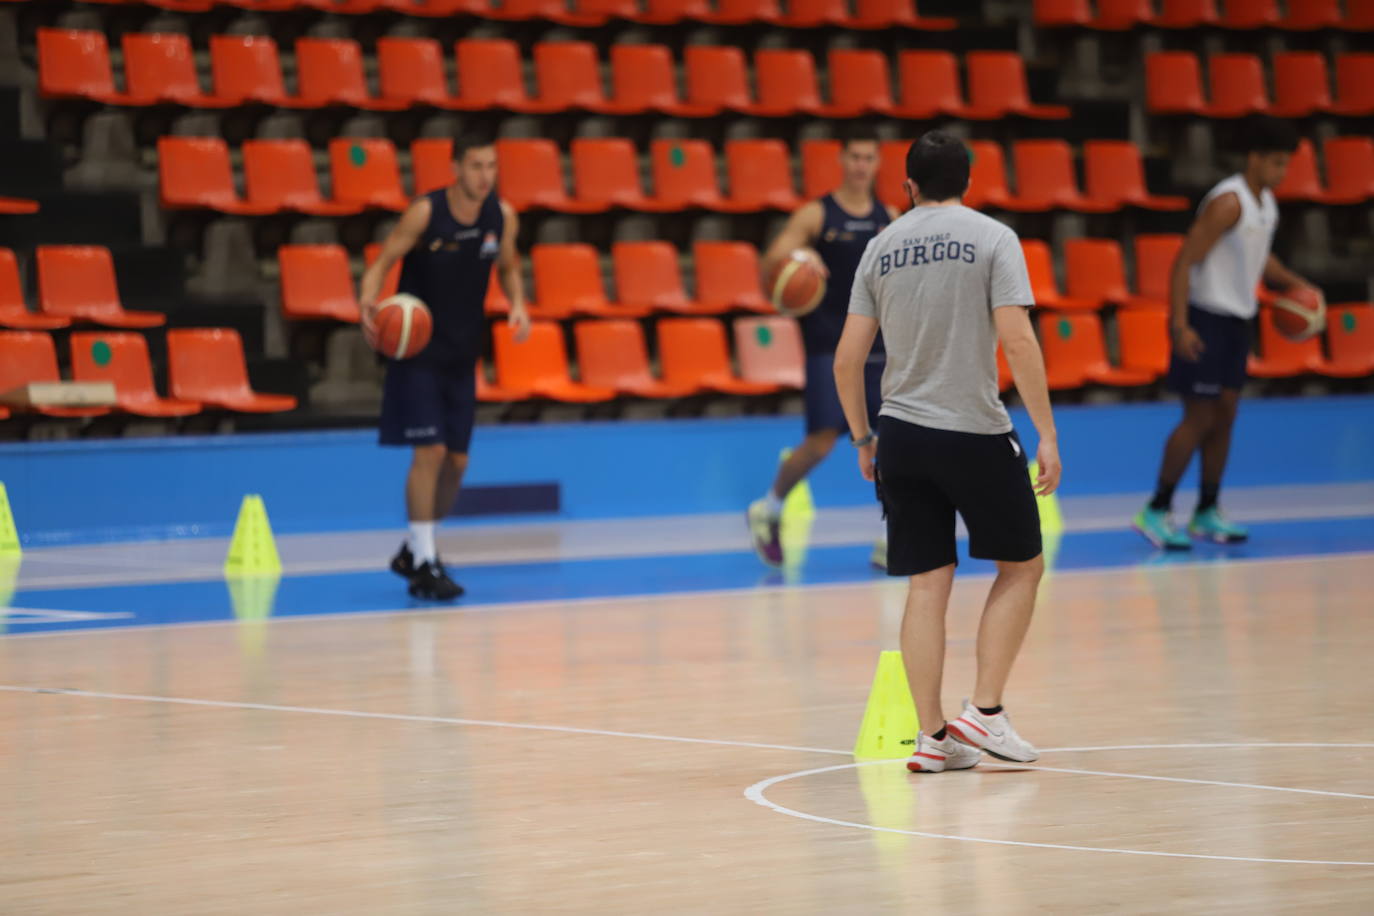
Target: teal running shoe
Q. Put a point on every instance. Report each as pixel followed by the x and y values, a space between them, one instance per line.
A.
pixel 1210 525
pixel 1155 525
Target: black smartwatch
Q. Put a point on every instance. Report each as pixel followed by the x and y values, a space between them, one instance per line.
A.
pixel 860 443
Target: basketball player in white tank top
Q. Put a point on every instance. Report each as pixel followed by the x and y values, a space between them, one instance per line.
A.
pixel 1212 301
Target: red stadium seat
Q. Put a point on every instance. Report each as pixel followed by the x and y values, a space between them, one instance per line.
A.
pixel 642 79
pixel 122 358
pixel 391 281
pixel 743 12
pixel 1119 15
pixel 569 76
pixel 670 12
pixel 1355 82
pixel 1350 340
pixel 1045 179
pixel 316 283
pixel 194 173
pixel 760 175
pixel 809 14
pixel 1249 14
pixel 490 75
pixel 531 177
pixel 728 278
pixel 1280 357
pixel 859 84
pixel 1096 271
pixel 431 163
pixel 1154 265
pixel 1144 338
pixel 247 69
pixel 1076 354
pixel 1173 83
pixel 567 281
pixel 1309 15
pixel 684 174
pixel 161 68
pixel 987 185
pixel 365 172
pixel 411 72
pixel 787 83
pixel 606 174
pixel 1114 175
pixel 930 86
pixel 997 88
pixel 1349 169
pixel 30 356
pixel 695 355
pixel 540 365
pixel 1061 13
pixel 17 206
pixel 1359 16
pixel 1237 86
pixel 613 354
pixel 648 278
pixel 1301 84
pixel 820 165
pixel 890 187
pixel 1044 287
pixel 884 14
pixel 489 393
pixel 78 282
pixel 717 78
pixel 329 71
pixel 1302 181
pixel 76 64
pixel 1186 14
pixel 14 313
pixel 281 174
pixel 208 365
pixel 770 351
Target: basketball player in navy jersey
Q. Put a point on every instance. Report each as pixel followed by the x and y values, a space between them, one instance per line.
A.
pixel 447 242
pixel 1212 301
pixel 833 232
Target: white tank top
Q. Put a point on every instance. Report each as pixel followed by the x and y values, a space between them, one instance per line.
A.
pixel 1226 279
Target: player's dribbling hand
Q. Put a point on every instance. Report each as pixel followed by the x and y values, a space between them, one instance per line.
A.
pixel 1047 459
pixel 1188 343
pixel 519 320
pixel 868 460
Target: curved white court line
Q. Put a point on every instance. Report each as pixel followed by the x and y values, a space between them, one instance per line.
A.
pixel 755 793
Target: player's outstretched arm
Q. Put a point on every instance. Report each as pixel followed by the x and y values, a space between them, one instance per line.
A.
pixel 1215 220
pixel 403 237
pixel 1028 371
pixel 802 229
pixel 508 273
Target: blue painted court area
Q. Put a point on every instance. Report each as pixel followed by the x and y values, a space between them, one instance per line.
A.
pixel 47 609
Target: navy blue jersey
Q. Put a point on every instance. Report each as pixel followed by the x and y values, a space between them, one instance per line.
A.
pixel 841 244
pixel 449 269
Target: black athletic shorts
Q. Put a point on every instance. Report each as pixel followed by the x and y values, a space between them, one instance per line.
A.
pixel 927 475
pixel 1226 349
pixel 425 405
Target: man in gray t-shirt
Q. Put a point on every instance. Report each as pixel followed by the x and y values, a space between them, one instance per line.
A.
pixel 945 285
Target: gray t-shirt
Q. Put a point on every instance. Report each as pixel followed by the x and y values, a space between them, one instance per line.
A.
pixel 932 280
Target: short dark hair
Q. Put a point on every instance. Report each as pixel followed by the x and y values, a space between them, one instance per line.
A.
pixel 939 164
pixel 858 132
pixel 465 142
pixel 1265 134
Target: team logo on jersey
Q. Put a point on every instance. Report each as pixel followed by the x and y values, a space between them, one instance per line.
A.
pixel 491 245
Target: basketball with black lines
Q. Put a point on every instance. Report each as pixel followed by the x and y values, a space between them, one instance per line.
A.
pixel 401 327
pixel 796 285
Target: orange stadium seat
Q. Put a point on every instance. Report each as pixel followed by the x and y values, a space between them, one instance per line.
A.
pixel 17 206
pixel 1154 265
pixel 1302 182
pixel 1186 14
pixel 1173 83
pixel 1115 175
pixel 1076 354
pixel 411 72
pixel 684 173
pixel 809 14
pixel 161 68
pixel 1144 338
pixel 531 177
pixel 247 69
pixel 1310 15
pixel 787 83
pixel 1350 340
pixel 1359 16
pixel 393 276
pixel 717 78
pixel 695 355
pixel 1045 179
pixel 14 313
pixel 329 71
pixel 997 88
pixel 760 174
pixel 770 351
pixel 194 173
pixel 1119 15
pixel 890 186
pixel 884 14
pixel 316 283
pixel 728 278
pixel 1280 357
pixel 1349 169
pixel 568 75
pixel 987 186
pixel 431 163
pixel 76 64
pixel 929 84
pixel 642 79
pixel 78 282
pixel 490 75
pixel 540 365
pixel 365 172
pixel 1096 271
pixel 122 358
pixel 648 278
pixel 208 365
pixel 860 83
pixel 1061 13
pixel 742 12
pixel 670 12
pixel 1044 287
pixel 613 354
pixel 1236 86
pixel 30 356
pixel 567 281
pixel 1249 14
pixel 489 393
pixel 281 174
pixel 1302 85
pixel 1355 83
pixel 820 167
pixel 606 174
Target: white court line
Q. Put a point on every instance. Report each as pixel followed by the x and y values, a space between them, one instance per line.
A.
pixel 755 793
pixel 878 581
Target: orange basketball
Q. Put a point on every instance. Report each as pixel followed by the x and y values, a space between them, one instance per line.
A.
pixel 796 286
pixel 401 328
pixel 1300 313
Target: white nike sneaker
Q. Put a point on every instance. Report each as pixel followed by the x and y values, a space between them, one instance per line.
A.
pixel 937 756
pixel 993 734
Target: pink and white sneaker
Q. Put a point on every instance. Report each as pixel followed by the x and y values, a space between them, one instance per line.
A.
pixel 937 756
pixel 993 734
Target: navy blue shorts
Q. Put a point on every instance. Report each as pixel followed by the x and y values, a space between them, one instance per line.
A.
pixel 1226 343
pixel 422 405
pixel 823 410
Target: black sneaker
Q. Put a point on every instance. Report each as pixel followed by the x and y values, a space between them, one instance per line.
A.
pixel 431 582
pixel 403 564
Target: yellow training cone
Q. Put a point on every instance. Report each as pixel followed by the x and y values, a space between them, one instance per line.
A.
pixel 1051 521
pixel 890 724
pixel 252 551
pixel 9 534
pixel 798 503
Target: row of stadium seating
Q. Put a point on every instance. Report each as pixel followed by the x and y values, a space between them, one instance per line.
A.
pixel 279 175
pixel 1237 85
pixel 160 69
pixel 1243 15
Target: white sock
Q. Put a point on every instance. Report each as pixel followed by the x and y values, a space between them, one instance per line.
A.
pixel 422 542
pixel 770 499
